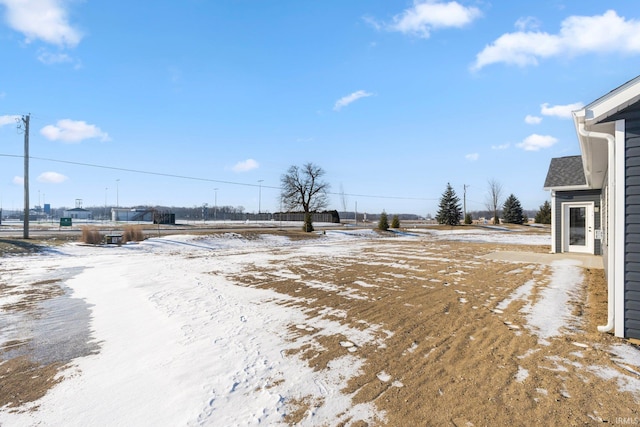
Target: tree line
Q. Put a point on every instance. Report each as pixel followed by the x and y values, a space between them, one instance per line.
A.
pixel 450 211
pixel 303 189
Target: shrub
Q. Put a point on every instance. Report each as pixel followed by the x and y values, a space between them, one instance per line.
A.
pixel 468 219
pixel 132 233
pixel 395 222
pixel 91 235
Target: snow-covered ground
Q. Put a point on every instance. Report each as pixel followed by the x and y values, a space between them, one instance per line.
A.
pixel 487 234
pixel 181 344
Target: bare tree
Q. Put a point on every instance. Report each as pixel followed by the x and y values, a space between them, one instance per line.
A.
pixel 493 199
pixel 303 188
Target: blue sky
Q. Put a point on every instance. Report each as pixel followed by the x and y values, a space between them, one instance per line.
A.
pixel 393 99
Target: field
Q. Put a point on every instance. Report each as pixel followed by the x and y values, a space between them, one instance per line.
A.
pixel 430 326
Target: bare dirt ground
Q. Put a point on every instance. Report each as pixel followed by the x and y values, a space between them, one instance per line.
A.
pixel 447 358
pixel 450 359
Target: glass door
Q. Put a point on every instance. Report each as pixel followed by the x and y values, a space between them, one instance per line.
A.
pixel 578 227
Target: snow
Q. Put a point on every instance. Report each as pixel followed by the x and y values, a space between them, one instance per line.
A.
pixel 551 312
pixel 522 374
pixel 628 360
pixel 489 234
pixel 200 349
pixel 180 343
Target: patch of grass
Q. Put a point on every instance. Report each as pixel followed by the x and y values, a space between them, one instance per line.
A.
pixel 91 235
pixel 132 233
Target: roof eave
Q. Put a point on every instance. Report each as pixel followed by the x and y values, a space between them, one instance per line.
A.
pixel 578 119
pixel 569 188
pixel 613 102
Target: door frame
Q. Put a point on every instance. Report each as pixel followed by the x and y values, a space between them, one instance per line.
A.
pixel 589 246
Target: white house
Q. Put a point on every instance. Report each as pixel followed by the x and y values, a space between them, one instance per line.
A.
pixel 78 213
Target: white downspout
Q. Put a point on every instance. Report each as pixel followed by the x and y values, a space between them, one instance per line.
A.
pixel 610 223
pixel 554 225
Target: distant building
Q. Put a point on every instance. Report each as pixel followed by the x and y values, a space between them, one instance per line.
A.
pixel 78 213
pixel 119 214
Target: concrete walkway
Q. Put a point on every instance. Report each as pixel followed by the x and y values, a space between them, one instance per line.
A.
pixel 586 260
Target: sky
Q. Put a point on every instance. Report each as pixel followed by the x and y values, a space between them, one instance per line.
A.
pixel 193 102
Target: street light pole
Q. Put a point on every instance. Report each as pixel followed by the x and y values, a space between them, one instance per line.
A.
pixel 260 195
pixel 105 202
pixel 215 205
pixel 117 193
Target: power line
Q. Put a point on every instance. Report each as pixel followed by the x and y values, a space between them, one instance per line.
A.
pixel 193 178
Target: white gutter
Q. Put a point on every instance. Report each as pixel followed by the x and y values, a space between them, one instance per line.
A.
pixel 610 222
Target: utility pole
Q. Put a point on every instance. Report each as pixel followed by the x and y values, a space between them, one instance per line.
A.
pixel 25 121
pixel 464 203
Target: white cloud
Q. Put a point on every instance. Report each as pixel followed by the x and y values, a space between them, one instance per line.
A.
pixel 536 142
pixel 518 48
pixel 429 15
pixel 53 58
pixel 44 20
pixel 246 166
pixel 472 157
pixel 73 131
pixel 49 58
pixel 7 120
pixel 501 146
pixel 52 178
pixel 373 22
pixel 527 23
pixel 18 180
pixel 560 111
pixel 578 35
pixel 346 100
pixel 532 120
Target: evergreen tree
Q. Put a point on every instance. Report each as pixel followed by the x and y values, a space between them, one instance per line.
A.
pixel 544 214
pixel 383 223
pixel 449 211
pixel 468 219
pixel 395 222
pixel 512 211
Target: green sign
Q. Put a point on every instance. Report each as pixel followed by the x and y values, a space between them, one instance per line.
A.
pixel 65 222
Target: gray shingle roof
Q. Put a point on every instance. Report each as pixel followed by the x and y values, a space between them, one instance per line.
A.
pixel 565 172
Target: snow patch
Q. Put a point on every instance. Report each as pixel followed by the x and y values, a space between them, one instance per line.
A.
pixel 522 374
